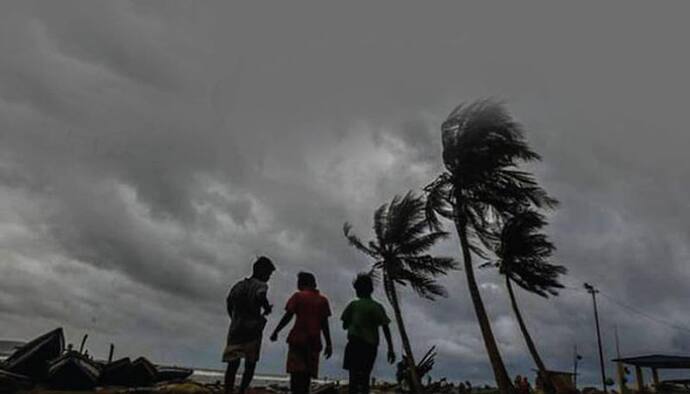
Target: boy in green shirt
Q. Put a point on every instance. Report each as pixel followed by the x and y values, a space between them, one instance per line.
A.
pixel 362 319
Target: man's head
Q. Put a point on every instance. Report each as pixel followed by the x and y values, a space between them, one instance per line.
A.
pixel 306 280
pixel 363 285
pixel 263 268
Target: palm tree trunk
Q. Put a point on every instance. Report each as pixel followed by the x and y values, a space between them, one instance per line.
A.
pixel 548 383
pixel 411 363
pixel 502 379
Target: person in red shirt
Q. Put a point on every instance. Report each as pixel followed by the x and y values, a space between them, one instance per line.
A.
pixel 312 310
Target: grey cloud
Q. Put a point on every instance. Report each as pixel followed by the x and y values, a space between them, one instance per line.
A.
pixel 149 152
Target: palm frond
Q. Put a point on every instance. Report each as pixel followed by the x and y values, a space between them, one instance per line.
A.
pixel 403 213
pixel 421 244
pixel 399 249
pixel 438 201
pixel 422 284
pixel 524 254
pixel 430 265
pixel 380 222
pixel 355 241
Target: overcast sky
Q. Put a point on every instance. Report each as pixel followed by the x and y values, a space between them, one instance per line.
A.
pixel 150 150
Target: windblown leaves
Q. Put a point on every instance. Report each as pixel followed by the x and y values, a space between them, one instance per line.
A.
pixel 401 247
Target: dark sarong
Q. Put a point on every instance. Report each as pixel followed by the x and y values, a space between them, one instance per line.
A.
pixel 359 355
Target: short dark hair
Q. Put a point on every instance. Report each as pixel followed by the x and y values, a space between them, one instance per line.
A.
pixel 306 279
pixel 263 265
pixel 363 285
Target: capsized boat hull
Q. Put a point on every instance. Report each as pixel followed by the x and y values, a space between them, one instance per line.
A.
pixel 117 373
pixel 143 373
pixel 11 382
pixel 72 371
pixel 32 359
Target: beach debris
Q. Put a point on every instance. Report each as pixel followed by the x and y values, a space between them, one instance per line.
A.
pixel 45 361
pixel 143 373
pixel 116 373
pixel 83 342
pixel 330 388
pixel 187 388
pixel 172 374
pixel 424 366
pixel 32 359
pixel 73 371
pixel 11 382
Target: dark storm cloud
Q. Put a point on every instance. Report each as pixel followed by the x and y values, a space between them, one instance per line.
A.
pixel 149 151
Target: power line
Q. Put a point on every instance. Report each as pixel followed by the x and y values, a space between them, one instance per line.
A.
pixel 630 308
pixel 644 314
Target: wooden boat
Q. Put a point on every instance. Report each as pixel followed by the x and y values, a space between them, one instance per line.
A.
pixel 73 371
pixel 117 373
pixel 143 373
pixel 168 374
pixel 11 382
pixel 32 359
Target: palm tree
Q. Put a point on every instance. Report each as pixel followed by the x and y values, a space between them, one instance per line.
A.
pixel 400 254
pixel 482 146
pixel 523 258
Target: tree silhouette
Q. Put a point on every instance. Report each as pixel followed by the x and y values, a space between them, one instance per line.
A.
pixel 400 254
pixel 482 145
pixel 523 258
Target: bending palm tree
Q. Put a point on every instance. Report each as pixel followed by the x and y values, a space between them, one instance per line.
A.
pixel 523 254
pixel 400 253
pixel 481 147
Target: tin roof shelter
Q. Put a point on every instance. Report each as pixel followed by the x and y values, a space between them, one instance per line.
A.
pixel 655 362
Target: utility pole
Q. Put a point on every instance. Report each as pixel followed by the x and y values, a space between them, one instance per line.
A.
pixel 591 290
pixel 576 359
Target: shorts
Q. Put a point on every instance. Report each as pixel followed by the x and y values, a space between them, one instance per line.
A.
pixel 248 351
pixel 303 359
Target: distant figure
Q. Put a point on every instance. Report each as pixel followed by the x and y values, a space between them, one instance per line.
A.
pixel 539 382
pixel 523 386
pixel 461 388
pixel 362 319
pixel 304 341
pixel 468 386
pixel 518 383
pixel 247 305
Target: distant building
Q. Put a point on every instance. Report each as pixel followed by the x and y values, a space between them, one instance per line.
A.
pixel 655 362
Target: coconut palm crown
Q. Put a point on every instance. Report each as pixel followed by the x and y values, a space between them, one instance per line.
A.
pixel 524 252
pixel 482 147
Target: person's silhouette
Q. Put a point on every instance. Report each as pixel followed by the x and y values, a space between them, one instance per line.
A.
pixel 312 311
pixel 247 305
pixel 362 319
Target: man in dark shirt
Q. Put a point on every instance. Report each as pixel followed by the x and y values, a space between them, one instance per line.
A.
pixel 247 305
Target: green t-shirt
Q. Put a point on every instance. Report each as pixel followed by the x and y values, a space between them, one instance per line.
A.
pixel 362 319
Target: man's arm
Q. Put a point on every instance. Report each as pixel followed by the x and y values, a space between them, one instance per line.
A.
pixel 229 304
pixel 346 317
pixel 263 302
pixel 283 322
pixel 389 341
pixel 327 335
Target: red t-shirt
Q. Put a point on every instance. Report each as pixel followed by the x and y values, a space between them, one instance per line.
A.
pixel 310 309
